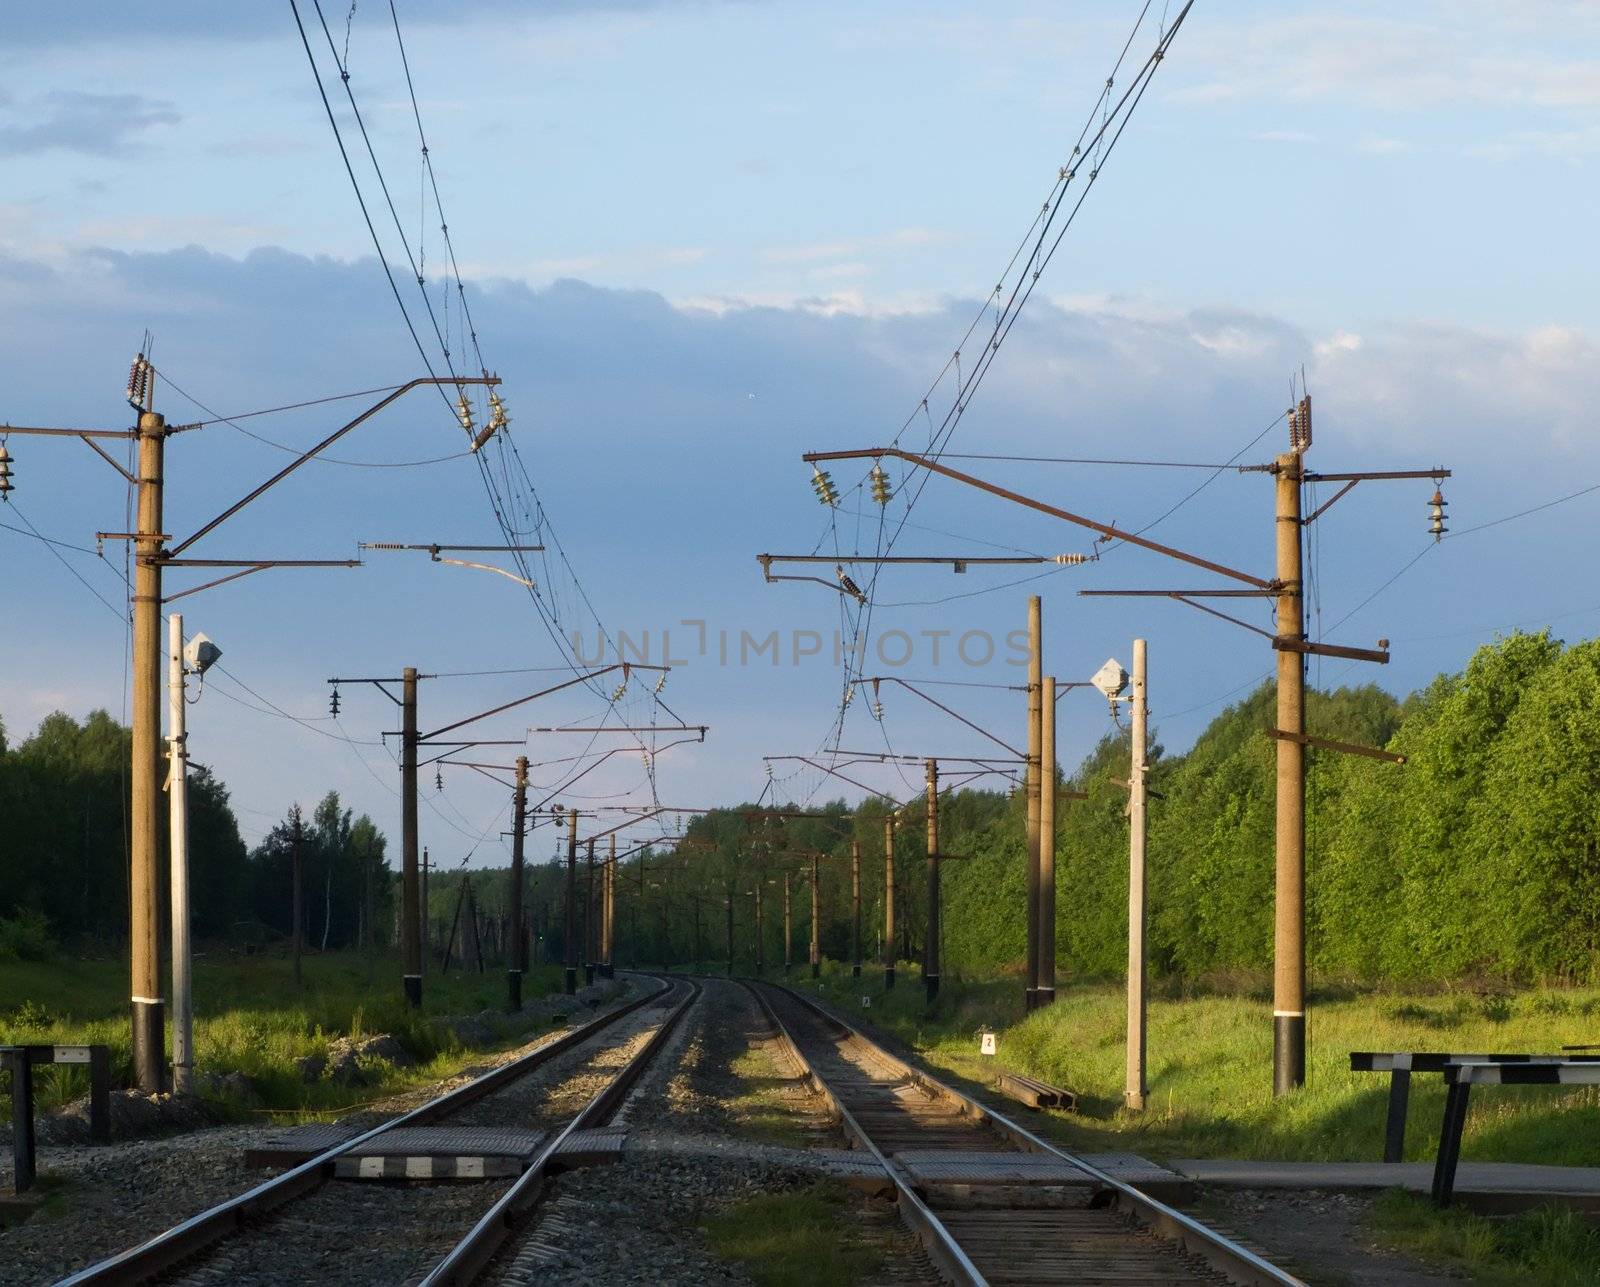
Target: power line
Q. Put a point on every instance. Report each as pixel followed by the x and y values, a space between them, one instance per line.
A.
pixel 232 423
pixel 1081 460
pixel 1495 522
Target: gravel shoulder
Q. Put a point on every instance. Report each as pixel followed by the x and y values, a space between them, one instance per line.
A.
pixel 1324 1237
pixel 98 1199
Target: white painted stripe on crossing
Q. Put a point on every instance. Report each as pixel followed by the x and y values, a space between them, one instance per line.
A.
pixel 419 1168
pixel 370 1168
pixel 469 1168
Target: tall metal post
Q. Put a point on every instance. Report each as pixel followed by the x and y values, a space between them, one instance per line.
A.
pixel 930 947
pixel 729 902
pixel 761 956
pixel 1136 1087
pixel 855 909
pixel 590 921
pixel 1289 922
pixel 1046 982
pixel 1035 705
pixel 297 914
pixel 412 908
pixel 178 811
pixel 816 930
pixel 695 901
pixel 517 960
pixel 570 947
pixel 888 902
pixel 144 926
pixel 788 928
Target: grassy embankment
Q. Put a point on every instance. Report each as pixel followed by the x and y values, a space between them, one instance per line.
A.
pixel 250 1018
pixel 1210 1061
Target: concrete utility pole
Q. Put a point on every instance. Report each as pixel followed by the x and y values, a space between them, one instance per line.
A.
pixel 930 948
pixel 609 894
pixel 178 811
pixel 1289 921
pixel 1139 748
pixel 728 901
pixel 1035 690
pixel 816 932
pixel 413 908
pixel 297 919
pixel 517 960
pixel 570 954
pixel 589 920
pixel 855 909
pixel 144 930
pixel 424 933
pixel 788 928
pixel 888 902
pixel 1046 982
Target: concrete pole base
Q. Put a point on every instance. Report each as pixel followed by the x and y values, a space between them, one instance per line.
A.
pixel 413 987
pixel 888 978
pixel 149 1045
pixel 1288 1053
pixel 930 983
pixel 513 990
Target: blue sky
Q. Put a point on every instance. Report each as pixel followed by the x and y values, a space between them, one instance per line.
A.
pixel 703 238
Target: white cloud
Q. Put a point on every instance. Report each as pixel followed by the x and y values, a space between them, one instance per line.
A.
pixel 899 239
pixel 1429 58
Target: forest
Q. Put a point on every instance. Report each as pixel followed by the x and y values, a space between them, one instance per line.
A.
pixel 64 853
pixel 1476 858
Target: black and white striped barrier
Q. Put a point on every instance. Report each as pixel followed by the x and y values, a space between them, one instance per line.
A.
pixel 1576 1070
pixel 19 1062
pixel 1401 1064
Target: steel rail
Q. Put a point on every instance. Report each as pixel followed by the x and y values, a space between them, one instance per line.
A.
pixel 468 1259
pixel 139 1263
pixel 952 1262
pixel 1236 1262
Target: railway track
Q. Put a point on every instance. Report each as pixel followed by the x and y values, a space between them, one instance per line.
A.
pixel 990 1201
pixel 298 1225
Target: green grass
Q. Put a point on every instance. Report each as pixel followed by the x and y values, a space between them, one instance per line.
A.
pixel 799 1238
pixel 1210 1065
pixel 1546 1247
pixel 251 1018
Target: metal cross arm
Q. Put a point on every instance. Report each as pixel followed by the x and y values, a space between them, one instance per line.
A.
pixel 957 562
pixel 832 772
pixel 1328 744
pixel 247 567
pixel 328 442
pixel 1108 530
pixel 543 692
pixel 1350 480
pixel 701 729
pixel 875 680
